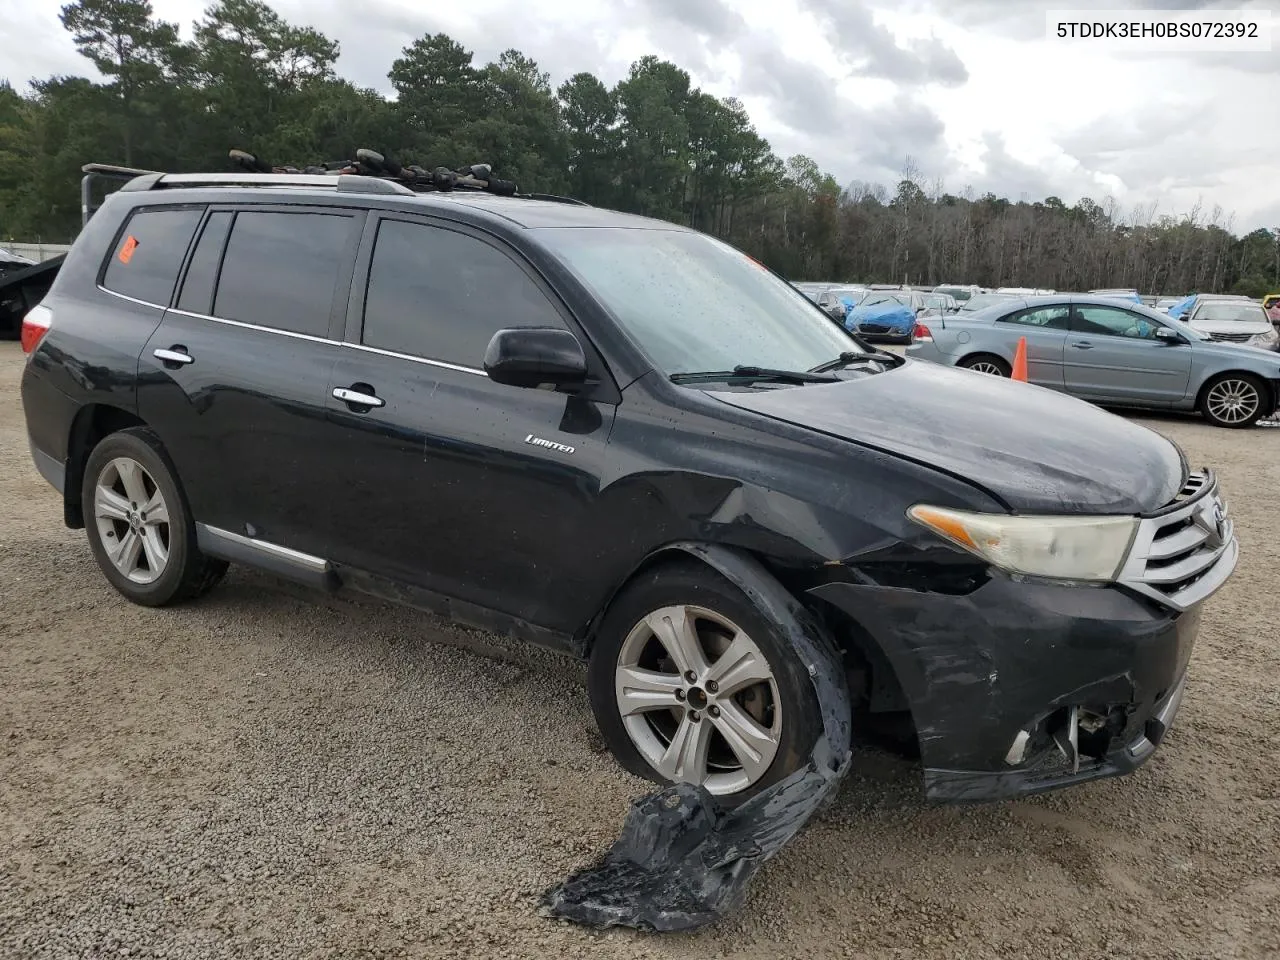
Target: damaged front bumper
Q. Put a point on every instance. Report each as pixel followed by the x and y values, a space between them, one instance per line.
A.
pixel 1019 687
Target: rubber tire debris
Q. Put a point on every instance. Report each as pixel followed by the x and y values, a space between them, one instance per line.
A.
pixel 682 861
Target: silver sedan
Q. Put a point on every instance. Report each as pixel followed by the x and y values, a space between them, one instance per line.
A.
pixel 1110 353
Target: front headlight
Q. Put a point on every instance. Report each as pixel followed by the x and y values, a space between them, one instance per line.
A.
pixel 1061 548
pixel 1267 339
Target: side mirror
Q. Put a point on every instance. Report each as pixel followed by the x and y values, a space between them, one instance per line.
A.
pixel 1169 336
pixel 534 356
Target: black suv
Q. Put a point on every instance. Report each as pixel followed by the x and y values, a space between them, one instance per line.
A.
pixel 618 437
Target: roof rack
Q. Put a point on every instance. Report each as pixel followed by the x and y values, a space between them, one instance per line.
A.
pixel 370 172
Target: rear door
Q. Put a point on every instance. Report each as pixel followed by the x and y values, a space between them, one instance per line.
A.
pixel 451 482
pixel 1046 331
pixel 234 380
pixel 1113 354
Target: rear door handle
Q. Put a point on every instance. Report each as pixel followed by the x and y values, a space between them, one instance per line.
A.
pixel 356 398
pixel 1083 345
pixel 175 354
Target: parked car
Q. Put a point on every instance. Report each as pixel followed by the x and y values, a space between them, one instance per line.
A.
pixel 811 289
pixel 983 300
pixel 838 300
pixel 1271 303
pixel 940 303
pixel 23 284
pixel 624 439
pixel 1233 321
pixel 887 315
pixel 1164 303
pixel 1120 355
pixel 1121 293
pixel 961 292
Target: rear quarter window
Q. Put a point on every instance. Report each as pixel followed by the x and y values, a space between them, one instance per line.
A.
pixel 148 253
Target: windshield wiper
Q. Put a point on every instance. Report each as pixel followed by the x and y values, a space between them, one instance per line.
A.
pixel 753 374
pixel 849 358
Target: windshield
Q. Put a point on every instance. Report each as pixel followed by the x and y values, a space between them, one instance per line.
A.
pixel 1240 312
pixel 852 294
pixel 692 303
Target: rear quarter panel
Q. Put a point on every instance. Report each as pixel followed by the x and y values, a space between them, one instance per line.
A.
pixel 90 354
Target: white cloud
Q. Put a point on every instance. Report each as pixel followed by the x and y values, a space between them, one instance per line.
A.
pixel 971 89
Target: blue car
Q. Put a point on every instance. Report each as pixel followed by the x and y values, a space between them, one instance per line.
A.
pixel 888 315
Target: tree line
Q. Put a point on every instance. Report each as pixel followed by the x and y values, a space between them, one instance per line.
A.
pixel 652 143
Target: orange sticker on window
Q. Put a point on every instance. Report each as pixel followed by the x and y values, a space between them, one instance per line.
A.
pixel 126 251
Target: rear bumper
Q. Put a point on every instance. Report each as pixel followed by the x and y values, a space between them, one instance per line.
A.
pixel 1002 680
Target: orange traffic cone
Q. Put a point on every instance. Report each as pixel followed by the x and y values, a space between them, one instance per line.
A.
pixel 1020 361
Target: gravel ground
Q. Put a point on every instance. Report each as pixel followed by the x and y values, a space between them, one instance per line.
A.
pixel 271 773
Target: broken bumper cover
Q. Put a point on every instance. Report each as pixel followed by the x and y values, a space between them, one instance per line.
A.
pixel 1020 687
pixel 969 785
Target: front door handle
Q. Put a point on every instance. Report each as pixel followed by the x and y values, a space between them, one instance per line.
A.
pixel 175 354
pixel 357 398
pixel 1083 345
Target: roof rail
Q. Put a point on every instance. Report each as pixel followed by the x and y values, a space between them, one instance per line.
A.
pixel 344 183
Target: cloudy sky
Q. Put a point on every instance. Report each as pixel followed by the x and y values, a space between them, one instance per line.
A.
pixel 971 90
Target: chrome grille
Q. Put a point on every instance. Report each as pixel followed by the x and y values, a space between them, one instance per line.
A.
pixel 1187 551
pixel 1232 337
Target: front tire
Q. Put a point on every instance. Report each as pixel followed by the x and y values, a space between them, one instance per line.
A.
pixel 690 682
pixel 1234 400
pixel 139 528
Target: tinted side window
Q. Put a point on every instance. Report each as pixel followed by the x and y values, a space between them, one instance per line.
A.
pixel 197 288
pixel 1113 322
pixel 280 270
pixel 417 305
pixel 1052 318
pixel 145 261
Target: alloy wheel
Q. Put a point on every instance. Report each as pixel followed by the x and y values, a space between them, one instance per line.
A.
pixel 698 699
pixel 986 366
pixel 132 520
pixel 1233 401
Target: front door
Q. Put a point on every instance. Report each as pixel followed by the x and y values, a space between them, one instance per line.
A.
pixel 236 377
pixel 1113 355
pixel 445 479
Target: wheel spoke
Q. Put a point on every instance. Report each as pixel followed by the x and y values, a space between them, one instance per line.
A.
pixel 125 553
pixel 740 666
pixel 642 690
pixel 685 759
pixel 131 477
pixel 109 505
pixel 155 549
pixel 676 630
pixel 752 744
pixel 156 510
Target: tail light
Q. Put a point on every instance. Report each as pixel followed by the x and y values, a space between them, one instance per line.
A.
pixel 921 334
pixel 34 326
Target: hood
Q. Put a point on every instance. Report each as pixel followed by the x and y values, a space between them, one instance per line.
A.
pixel 1037 450
pixel 1261 325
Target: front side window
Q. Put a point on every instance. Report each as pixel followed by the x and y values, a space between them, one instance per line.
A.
pixel 442 295
pixel 1052 318
pixel 280 270
pixel 1113 322
pixel 147 255
pixel 693 304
